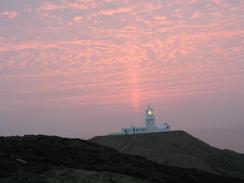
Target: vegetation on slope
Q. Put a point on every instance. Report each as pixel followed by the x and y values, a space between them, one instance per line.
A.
pixel 41 158
pixel 177 148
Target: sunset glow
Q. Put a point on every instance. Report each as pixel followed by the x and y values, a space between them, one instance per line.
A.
pixel 118 55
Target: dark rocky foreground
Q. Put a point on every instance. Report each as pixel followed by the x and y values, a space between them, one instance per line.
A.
pixel 52 159
pixel 177 148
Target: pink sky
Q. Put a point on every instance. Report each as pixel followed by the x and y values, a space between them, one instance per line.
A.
pixel 84 68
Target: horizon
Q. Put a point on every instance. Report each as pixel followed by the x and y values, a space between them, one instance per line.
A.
pixel 87 68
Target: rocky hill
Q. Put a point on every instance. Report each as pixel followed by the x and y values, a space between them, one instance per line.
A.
pixel 49 159
pixel 177 148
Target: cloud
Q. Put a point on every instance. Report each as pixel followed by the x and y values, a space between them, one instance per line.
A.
pixel 144 54
pixel 76 5
pixel 192 2
pixel 116 11
pixel 160 18
pixel 196 15
pixel 218 2
pixel 77 19
pixel 9 14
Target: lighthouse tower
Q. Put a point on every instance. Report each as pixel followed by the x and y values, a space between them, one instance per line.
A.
pixel 149 128
pixel 150 119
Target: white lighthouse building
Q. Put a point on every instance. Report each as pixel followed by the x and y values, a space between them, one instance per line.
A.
pixel 150 119
pixel 149 128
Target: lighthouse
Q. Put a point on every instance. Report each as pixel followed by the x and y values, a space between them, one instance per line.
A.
pixel 150 119
pixel 150 126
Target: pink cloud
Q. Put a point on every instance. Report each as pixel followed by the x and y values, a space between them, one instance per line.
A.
pixel 48 6
pixel 196 15
pixel 215 14
pixel 9 14
pixel 160 18
pixel 192 1
pixel 218 2
pixel 116 11
pixel 149 46
pixel 51 7
pixel 77 19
